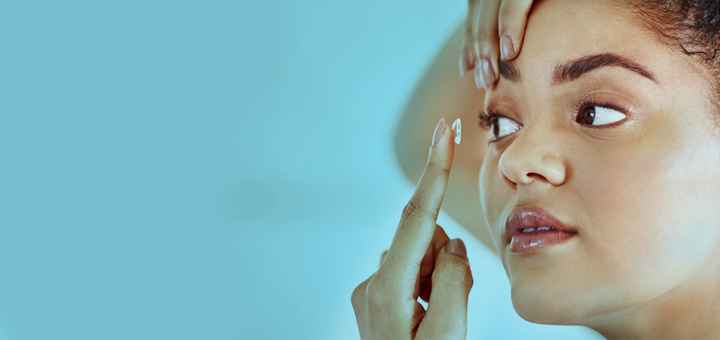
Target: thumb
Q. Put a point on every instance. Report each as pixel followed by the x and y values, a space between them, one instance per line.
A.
pixel 446 316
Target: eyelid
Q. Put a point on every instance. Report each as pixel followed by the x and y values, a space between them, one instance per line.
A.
pixel 489 116
pixel 593 100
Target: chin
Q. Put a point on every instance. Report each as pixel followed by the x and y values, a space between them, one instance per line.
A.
pixel 555 305
pixel 535 307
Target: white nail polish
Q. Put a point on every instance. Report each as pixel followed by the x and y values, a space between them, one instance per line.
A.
pixel 457 127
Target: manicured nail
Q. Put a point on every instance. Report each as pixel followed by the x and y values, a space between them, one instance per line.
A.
pixel 488 74
pixel 458 130
pixel 439 131
pixel 457 247
pixel 506 47
pixel 478 76
pixel 463 62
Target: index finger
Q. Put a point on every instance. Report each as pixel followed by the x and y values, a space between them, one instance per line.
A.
pixel 417 226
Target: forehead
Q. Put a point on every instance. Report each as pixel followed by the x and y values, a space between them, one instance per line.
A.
pixel 562 30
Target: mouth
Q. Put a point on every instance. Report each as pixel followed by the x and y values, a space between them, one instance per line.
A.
pixel 530 229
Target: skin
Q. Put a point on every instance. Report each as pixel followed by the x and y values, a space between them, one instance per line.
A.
pixel 642 194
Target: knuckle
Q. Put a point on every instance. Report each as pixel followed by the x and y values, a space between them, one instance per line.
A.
pixel 414 209
pixel 443 170
pixel 375 296
pixel 358 296
pixel 410 209
pixel 482 35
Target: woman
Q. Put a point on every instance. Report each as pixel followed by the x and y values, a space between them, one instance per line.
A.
pixel 596 173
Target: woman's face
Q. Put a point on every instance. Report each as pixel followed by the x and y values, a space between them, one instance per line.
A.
pixel 643 193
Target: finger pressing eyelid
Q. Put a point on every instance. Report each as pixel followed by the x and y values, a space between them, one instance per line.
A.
pixel 486 44
pixel 512 18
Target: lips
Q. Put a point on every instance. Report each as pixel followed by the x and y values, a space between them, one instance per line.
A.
pixel 535 222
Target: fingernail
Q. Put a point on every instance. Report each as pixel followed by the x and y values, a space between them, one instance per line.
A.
pixel 439 130
pixel 506 47
pixel 457 247
pixel 463 62
pixel 458 130
pixel 478 76
pixel 488 74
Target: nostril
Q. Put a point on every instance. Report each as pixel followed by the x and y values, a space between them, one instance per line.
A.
pixel 536 176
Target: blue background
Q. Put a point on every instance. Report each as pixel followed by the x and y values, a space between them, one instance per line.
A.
pixel 212 169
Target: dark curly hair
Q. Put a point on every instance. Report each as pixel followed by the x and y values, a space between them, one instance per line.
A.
pixel 693 24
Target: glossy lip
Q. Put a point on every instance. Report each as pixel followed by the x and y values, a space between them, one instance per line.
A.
pixel 532 217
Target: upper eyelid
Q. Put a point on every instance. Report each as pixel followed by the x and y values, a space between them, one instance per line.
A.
pixel 496 114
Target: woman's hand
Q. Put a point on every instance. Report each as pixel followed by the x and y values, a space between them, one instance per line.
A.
pixel 421 261
pixel 492 28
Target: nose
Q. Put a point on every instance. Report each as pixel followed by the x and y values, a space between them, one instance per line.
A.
pixel 533 157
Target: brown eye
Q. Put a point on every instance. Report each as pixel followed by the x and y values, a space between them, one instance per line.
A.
pixel 598 116
pixel 587 116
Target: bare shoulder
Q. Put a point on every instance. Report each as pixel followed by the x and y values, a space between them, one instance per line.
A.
pixel 442 93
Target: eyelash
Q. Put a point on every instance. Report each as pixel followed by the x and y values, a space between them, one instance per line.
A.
pixel 489 117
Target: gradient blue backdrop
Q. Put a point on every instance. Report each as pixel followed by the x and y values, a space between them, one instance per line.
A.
pixel 211 169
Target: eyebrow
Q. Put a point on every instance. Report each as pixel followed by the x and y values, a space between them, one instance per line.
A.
pixel 574 69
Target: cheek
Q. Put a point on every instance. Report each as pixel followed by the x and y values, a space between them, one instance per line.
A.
pixel 652 216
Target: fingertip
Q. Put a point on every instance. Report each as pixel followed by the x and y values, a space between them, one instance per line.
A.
pixel 507 48
pixel 442 150
pixel 479 82
pixel 512 20
pixel 486 66
pixel 456 246
pixel 439 131
pixel 489 71
pixel 441 153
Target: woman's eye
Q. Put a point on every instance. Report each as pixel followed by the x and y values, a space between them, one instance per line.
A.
pixel 598 115
pixel 502 127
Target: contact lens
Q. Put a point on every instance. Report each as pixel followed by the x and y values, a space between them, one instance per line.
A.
pixel 457 127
